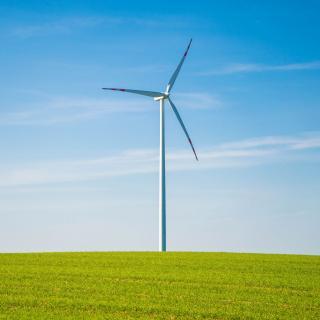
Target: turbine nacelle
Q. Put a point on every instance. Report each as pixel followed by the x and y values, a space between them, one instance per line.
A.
pixel 165 95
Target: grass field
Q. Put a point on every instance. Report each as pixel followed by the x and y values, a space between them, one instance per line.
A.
pixel 159 286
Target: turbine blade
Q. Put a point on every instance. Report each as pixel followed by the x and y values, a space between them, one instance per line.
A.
pixel 175 110
pixel 176 72
pixel 153 94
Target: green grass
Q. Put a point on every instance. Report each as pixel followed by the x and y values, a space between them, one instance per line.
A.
pixel 159 286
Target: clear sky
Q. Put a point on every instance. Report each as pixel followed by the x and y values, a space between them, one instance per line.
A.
pixel 79 165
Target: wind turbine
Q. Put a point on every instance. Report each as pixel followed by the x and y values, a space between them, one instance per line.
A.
pixel 162 97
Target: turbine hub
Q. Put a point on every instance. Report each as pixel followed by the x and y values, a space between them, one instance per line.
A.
pixel 165 95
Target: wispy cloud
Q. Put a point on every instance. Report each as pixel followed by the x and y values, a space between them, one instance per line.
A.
pixel 65 25
pixel 197 100
pixel 55 110
pixel 67 109
pixel 68 24
pixel 251 68
pixel 146 69
pixel 244 153
pixel 305 141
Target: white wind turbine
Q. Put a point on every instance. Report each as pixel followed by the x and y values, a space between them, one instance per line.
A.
pixel 161 97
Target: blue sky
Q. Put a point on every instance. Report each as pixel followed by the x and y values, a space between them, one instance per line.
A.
pixel 79 166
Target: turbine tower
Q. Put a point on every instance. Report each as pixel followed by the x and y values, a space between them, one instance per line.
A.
pixel 162 97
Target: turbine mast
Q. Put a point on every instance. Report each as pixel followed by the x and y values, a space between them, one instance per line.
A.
pixel 162 183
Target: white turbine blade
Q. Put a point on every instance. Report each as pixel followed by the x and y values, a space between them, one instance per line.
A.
pixel 153 94
pixel 182 125
pixel 176 72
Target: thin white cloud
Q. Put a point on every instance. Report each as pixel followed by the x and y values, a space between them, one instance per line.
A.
pixel 306 141
pixel 68 109
pixel 244 153
pixel 55 110
pixel 61 26
pixel 149 68
pixel 254 68
pixel 197 100
pixel 68 24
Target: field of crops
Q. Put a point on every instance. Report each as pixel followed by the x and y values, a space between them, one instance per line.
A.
pixel 159 286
